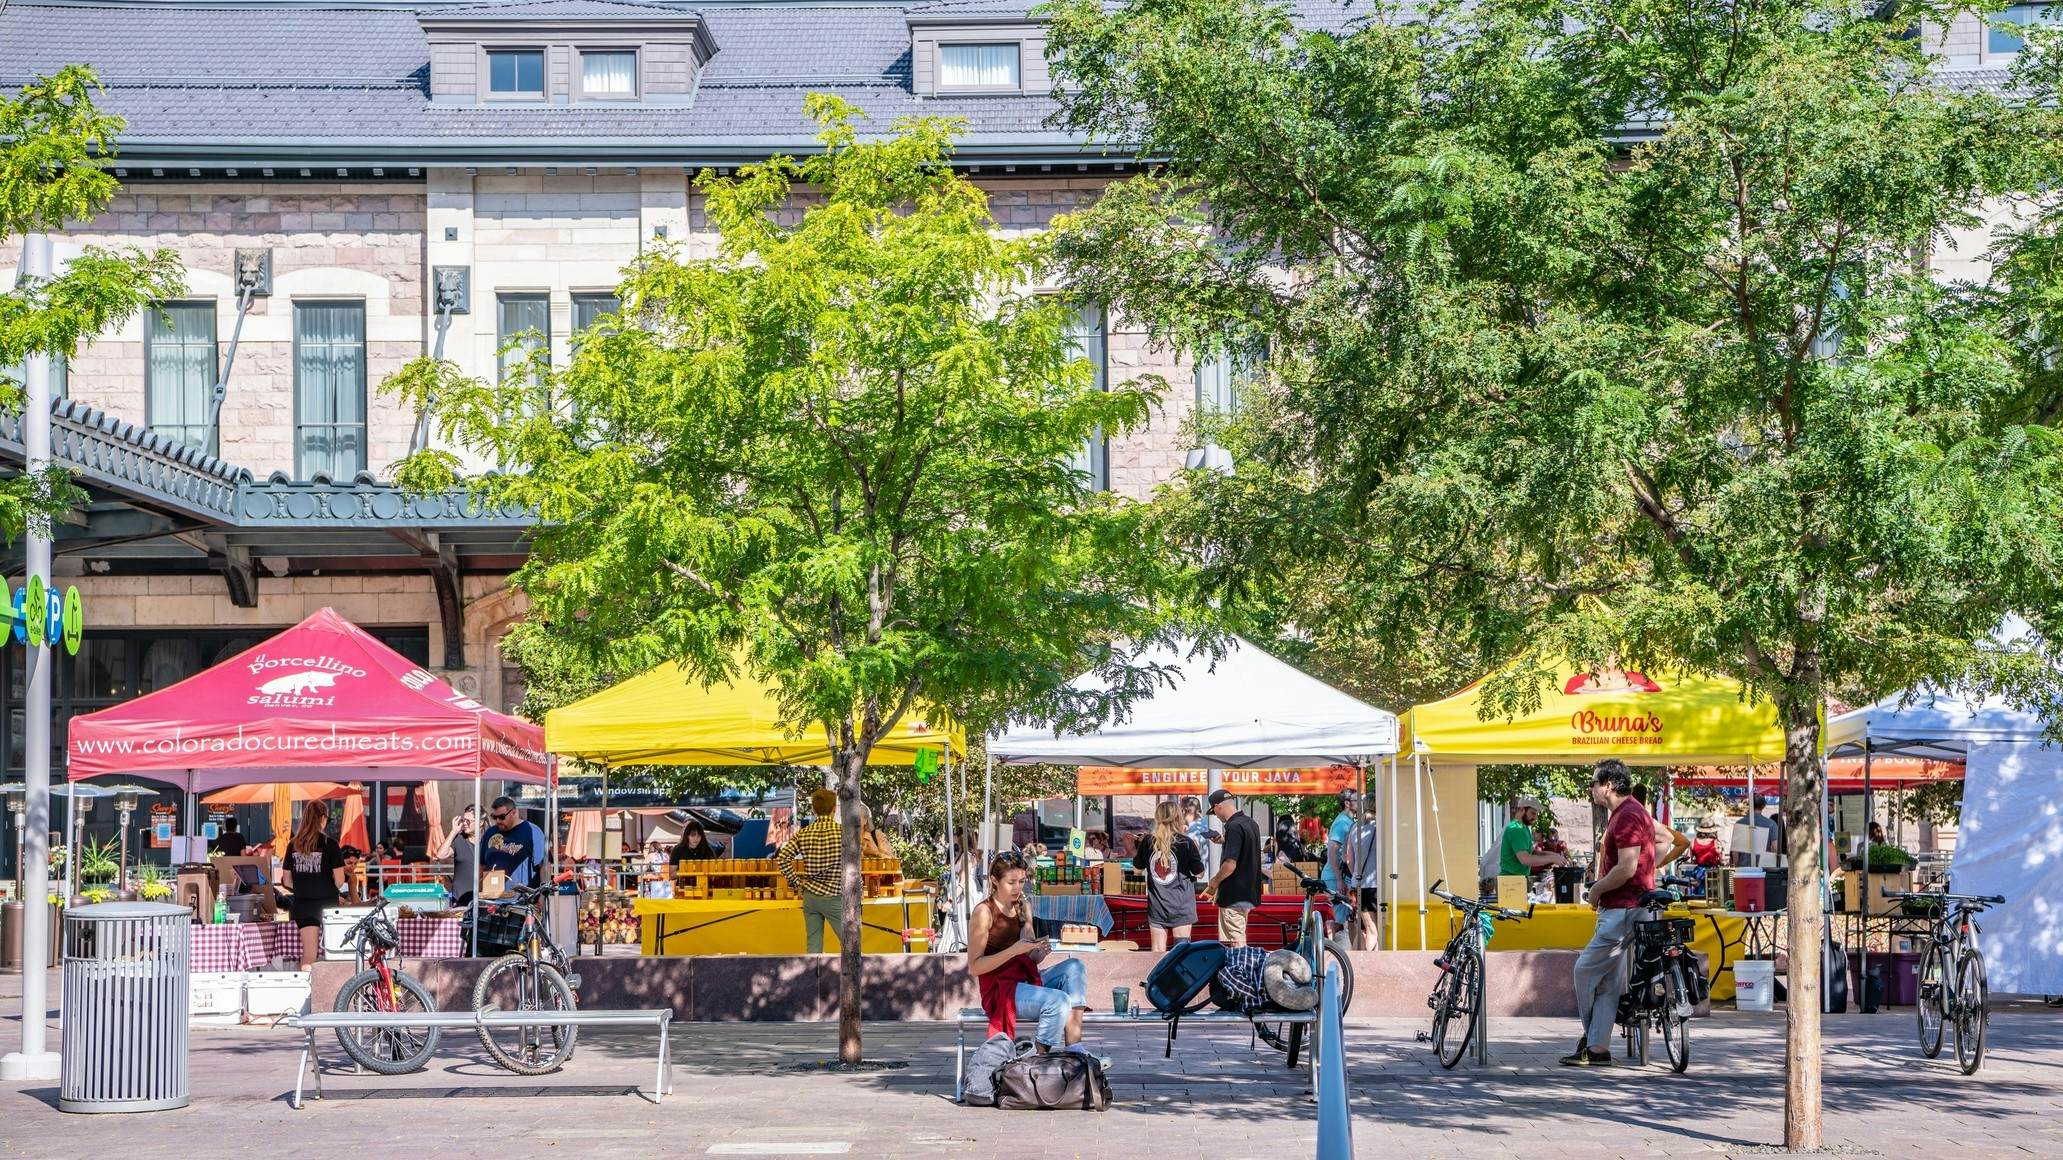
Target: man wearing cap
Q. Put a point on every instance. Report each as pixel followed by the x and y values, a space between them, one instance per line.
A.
pixel 1515 850
pixel 1333 872
pixel 1236 887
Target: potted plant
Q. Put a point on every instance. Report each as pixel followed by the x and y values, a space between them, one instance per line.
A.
pixel 99 863
pixel 1888 859
pixel 153 882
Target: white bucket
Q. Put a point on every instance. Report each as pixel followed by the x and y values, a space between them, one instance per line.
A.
pixel 1754 983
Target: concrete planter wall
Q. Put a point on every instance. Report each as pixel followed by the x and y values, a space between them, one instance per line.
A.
pixel 804 988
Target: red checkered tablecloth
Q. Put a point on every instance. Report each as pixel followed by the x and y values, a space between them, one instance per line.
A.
pixel 250 946
pixel 244 946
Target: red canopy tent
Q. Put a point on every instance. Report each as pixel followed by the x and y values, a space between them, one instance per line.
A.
pixel 1844 774
pixel 322 701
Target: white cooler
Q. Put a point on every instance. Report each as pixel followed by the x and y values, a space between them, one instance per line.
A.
pixel 269 993
pixel 216 999
pixel 336 924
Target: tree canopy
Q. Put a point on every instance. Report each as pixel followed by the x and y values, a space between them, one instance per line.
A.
pixel 1605 328
pixel 835 454
pixel 56 151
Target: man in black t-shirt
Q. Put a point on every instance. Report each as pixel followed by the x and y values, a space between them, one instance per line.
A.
pixel 1236 886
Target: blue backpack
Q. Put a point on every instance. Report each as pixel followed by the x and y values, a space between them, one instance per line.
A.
pixel 1180 983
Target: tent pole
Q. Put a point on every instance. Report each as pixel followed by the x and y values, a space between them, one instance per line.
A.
pixel 479 842
pixel 1214 852
pixel 1869 814
pixel 1418 808
pixel 985 839
pixel 952 867
pixel 1396 863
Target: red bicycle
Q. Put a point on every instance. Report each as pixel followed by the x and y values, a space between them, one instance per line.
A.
pixel 379 986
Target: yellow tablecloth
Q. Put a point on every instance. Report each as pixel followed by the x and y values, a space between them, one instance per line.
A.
pixel 720 926
pixel 1565 927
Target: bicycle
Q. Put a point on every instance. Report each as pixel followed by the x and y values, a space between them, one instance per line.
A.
pixel 379 987
pixel 1664 987
pixel 532 975
pixel 1458 997
pixel 1314 930
pixel 1952 983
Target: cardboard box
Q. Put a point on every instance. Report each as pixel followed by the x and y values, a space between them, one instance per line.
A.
pixel 1113 878
pixel 1060 888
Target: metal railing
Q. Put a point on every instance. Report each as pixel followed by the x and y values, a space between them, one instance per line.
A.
pixel 1335 1114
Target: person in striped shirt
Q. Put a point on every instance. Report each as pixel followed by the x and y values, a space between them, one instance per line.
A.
pixel 810 863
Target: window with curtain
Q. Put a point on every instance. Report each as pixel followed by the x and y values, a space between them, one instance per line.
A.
pixel 525 320
pixel 1085 334
pixel 1220 378
pixel 179 371
pixel 60 375
pixel 978 66
pixel 609 74
pixel 2002 36
pixel 588 307
pixel 329 389
pixel 516 74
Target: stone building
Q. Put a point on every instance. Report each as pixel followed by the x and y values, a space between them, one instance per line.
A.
pixel 353 184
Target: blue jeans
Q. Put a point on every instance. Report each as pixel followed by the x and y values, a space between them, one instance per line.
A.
pixel 1067 987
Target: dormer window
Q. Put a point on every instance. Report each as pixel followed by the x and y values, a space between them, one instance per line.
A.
pixel 964 53
pixel 516 74
pixel 989 67
pixel 609 74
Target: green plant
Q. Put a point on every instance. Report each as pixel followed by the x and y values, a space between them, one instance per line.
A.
pixel 918 858
pixel 153 882
pixel 97 893
pixel 99 861
pixel 1882 854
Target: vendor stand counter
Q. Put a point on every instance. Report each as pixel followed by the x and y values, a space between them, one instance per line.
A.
pixel 728 906
pixel 252 946
pixel 1270 925
pixel 1722 936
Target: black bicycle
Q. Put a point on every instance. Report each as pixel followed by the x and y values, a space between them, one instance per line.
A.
pixel 1952 986
pixel 530 974
pixel 1458 998
pixel 1664 986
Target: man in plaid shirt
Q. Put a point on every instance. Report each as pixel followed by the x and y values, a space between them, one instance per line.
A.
pixel 810 863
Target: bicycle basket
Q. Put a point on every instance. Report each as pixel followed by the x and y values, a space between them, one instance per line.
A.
pixel 1665 931
pixel 501 931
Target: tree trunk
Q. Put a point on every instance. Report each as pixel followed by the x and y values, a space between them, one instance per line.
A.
pixel 1805 843
pixel 849 766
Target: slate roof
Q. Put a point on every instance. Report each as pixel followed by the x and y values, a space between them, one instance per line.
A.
pixel 290 82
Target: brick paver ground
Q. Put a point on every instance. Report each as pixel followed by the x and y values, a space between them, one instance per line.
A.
pixel 746 1089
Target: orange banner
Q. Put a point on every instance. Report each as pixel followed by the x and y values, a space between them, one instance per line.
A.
pixel 1098 781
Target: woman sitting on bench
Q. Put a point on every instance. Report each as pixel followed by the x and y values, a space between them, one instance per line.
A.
pixel 1006 965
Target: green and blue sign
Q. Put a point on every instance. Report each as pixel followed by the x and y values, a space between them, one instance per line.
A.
pixel 62 618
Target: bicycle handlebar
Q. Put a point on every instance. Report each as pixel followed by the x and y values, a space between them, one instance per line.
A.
pixel 1477 905
pixel 1968 900
pixel 1313 887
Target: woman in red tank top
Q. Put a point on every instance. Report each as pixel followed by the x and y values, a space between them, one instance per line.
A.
pixel 1005 964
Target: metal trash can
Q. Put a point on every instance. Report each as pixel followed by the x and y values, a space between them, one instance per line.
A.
pixel 127 967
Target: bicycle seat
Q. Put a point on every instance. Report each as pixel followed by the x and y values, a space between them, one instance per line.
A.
pixel 1658 899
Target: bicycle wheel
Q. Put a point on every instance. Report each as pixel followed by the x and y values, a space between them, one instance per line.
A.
pixel 386 1050
pixel 1454 1024
pixel 1971 1017
pixel 514 983
pixel 1931 1000
pixel 1676 1023
pixel 1338 963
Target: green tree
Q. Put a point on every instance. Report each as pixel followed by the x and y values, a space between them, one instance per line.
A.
pixel 835 454
pixel 56 153
pixel 1604 327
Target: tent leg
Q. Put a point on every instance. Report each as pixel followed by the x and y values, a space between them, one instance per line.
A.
pixel 1396 863
pixel 1869 814
pixel 1418 808
pixel 952 844
pixel 479 840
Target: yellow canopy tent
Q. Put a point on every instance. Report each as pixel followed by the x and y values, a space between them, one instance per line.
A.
pixel 666 717
pixel 1642 719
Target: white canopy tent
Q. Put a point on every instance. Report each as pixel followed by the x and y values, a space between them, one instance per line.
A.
pixel 1243 710
pixel 2011 838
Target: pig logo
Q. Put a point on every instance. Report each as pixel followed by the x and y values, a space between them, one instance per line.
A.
pixel 298 684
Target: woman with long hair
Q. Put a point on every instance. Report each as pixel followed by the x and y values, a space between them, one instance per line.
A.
pixel 1172 864
pixel 1004 960
pixel 315 872
pixel 872 843
pixel 694 845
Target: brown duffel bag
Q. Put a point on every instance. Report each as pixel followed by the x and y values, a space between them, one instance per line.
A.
pixel 1057 1080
